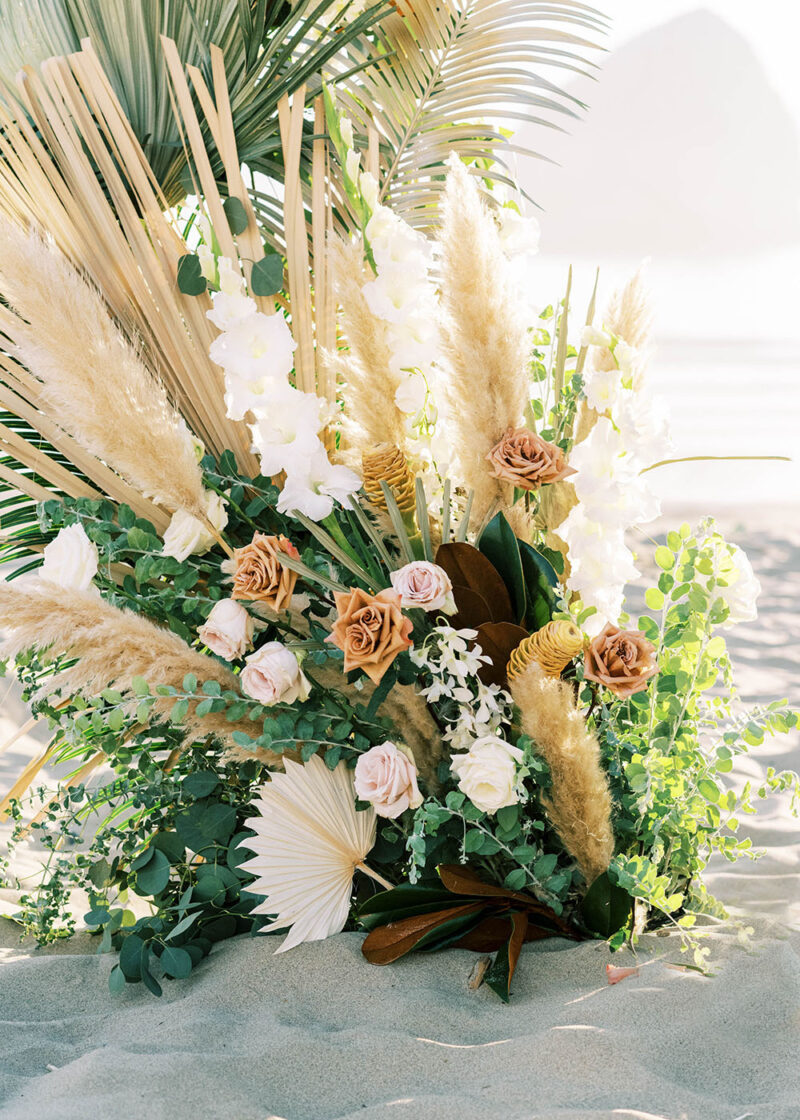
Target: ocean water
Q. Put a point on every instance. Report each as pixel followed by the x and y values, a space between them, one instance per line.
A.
pixel 726 360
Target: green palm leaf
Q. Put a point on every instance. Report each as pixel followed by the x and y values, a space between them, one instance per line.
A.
pixel 448 74
pixel 270 49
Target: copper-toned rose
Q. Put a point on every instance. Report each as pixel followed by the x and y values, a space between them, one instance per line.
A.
pixel 622 660
pixel 371 629
pixel 259 575
pixel 527 461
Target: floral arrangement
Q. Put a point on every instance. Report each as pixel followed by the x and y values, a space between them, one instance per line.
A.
pixel 341 641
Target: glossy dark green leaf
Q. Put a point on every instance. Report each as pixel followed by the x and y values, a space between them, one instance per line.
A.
pixel 606 907
pixel 499 545
pixel 541 581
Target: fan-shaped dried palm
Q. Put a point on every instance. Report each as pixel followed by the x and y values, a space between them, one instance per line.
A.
pixel 269 48
pixel 447 73
pixel 309 841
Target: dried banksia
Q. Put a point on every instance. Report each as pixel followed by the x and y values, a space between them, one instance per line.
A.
pixel 387 463
pixel 552 647
pixel 579 802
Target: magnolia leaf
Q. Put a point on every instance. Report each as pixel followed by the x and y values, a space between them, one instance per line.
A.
pixel 497 640
pixel 469 569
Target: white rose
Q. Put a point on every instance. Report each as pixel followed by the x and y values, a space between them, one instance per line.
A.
pixel 425 585
pixel 740 586
pixel 188 536
pixel 272 675
pixel 487 773
pixel 70 560
pixel 228 630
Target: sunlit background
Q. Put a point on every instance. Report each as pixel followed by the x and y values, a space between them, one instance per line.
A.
pixel 689 157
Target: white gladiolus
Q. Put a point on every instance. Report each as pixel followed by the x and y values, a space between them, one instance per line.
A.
pixel 208 263
pixel 259 346
pixel 346 130
pixel 231 281
pixel 230 309
pixel 410 393
pixel 70 559
pixel 487 773
pixel 595 336
pixel 312 489
pixel 603 389
pixel 188 536
pixel 352 163
pixel 369 190
pixel 519 236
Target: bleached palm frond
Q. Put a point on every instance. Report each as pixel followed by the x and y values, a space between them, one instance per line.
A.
pixel 446 74
pixel 269 49
pixel 309 840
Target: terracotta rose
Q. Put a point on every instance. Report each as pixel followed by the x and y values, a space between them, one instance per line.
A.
pixel 371 629
pixel 259 575
pixel 622 660
pixel 527 461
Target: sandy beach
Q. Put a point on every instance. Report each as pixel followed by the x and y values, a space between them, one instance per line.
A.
pixel 318 1034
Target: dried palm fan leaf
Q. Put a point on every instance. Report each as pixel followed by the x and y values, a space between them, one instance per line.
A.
pixel 445 76
pixel 268 50
pixel 70 164
pixel 309 840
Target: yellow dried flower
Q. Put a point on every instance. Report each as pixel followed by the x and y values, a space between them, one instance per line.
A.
pixel 387 463
pixel 552 647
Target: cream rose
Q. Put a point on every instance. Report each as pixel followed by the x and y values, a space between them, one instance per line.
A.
pixel 387 777
pixel 425 585
pixel 272 675
pixel 487 773
pixel 188 536
pixel 228 630
pixel 70 560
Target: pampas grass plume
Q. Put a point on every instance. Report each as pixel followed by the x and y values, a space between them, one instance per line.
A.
pixel 580 801
pixel 484 335
pixel 94 383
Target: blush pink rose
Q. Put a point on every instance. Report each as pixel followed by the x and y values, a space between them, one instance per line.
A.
pixel 272 675
pixel 228 630
pixel 387 777
pixel 424 585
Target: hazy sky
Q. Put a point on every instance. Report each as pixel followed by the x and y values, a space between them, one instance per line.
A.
pixel 772 28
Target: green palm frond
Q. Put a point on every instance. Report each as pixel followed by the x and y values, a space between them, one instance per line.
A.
pixel 448 73
pixel 269 48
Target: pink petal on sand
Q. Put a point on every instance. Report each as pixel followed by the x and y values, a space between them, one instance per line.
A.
pixel 614 973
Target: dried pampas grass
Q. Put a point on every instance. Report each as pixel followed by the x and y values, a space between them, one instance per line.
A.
pixel 94 384
pixel 112 646
pixel 484 338
pixel 580 801
pixel 370 413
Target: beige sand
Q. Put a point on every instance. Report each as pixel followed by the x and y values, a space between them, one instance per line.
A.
pixel 318 1034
